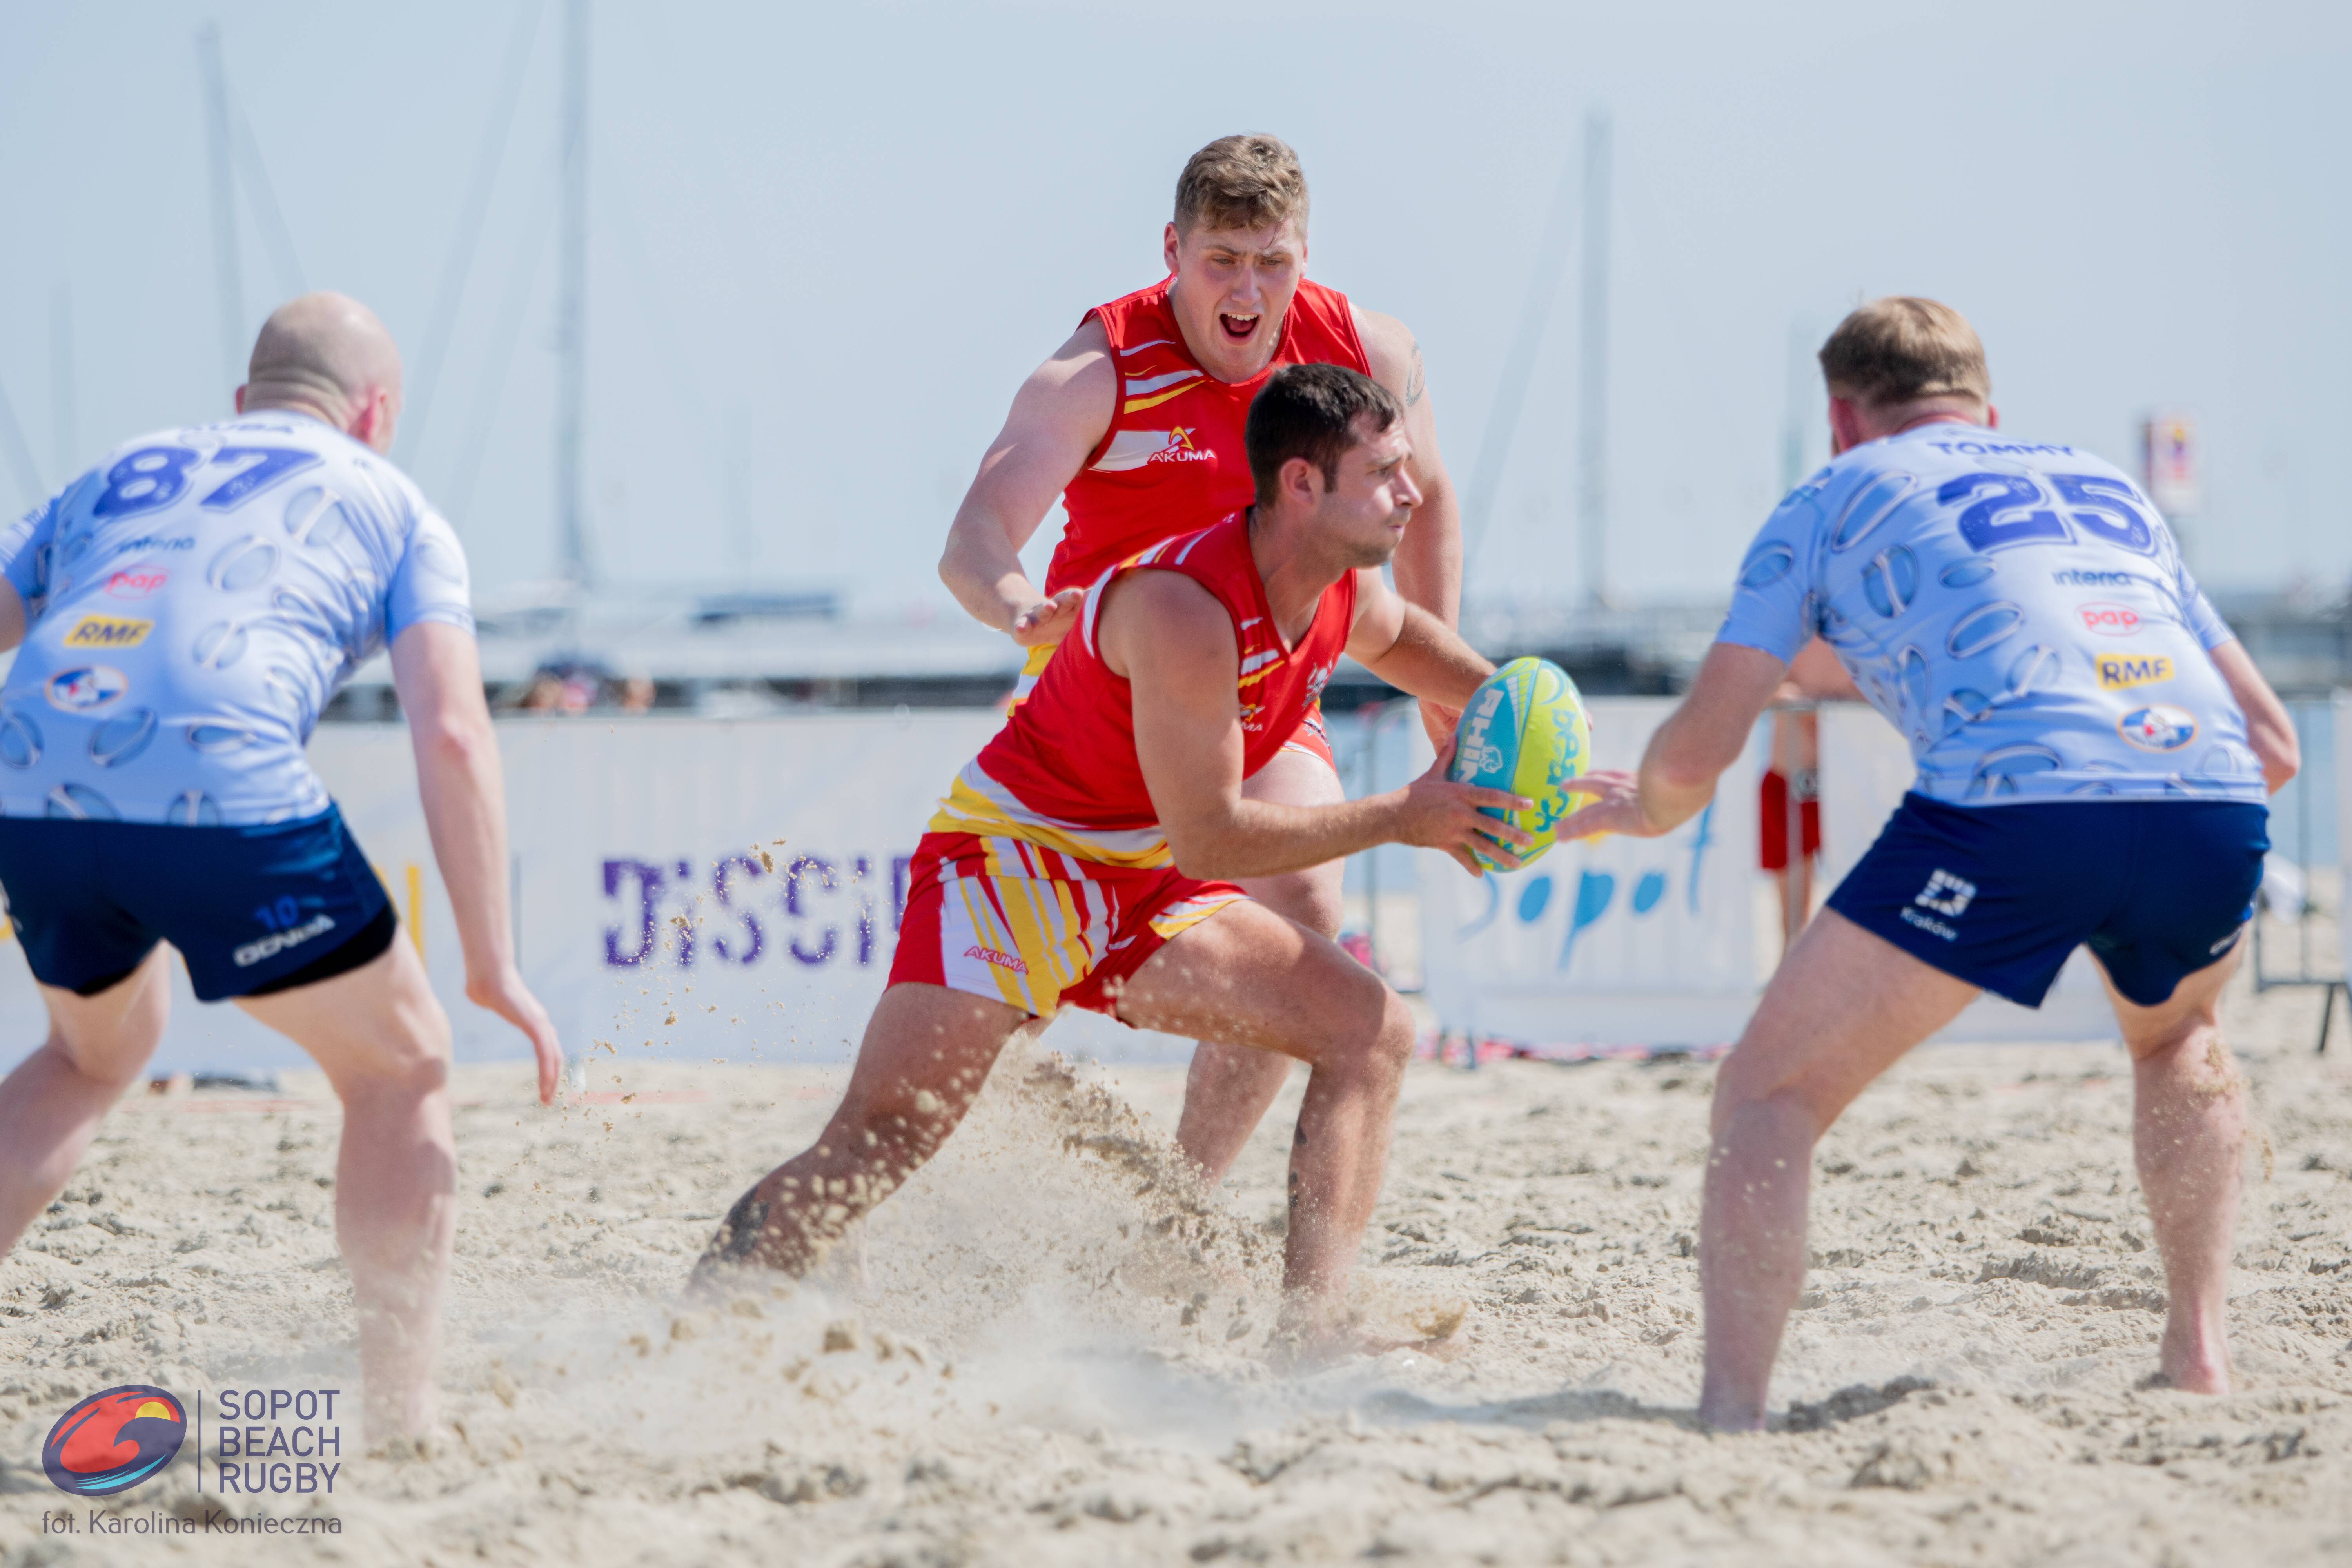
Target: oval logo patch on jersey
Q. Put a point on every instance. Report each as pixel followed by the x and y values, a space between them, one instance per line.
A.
pixel 108 631
pixel 2162 728
pixel 2115 620
pixel 136 582
pixel 2121 671
pixel 85 689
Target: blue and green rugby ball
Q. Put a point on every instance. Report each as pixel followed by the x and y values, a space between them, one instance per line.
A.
pixel 1525 730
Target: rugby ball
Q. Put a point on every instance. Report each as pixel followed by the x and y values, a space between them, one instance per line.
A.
pixel 1525 730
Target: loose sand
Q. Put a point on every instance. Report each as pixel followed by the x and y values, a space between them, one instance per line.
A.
pixel 1057 1354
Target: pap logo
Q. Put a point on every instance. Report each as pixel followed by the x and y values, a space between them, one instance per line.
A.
pixel 108 631
pixel 85 689
pixel 2121 671
pixel 114 1439
pixel 136 583
pixel 1946 894
pixel 2114 620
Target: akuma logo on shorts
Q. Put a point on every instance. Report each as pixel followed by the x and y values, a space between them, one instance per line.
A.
pixel 1001 960
pixel 114 1439
pixel 2112 620
pixel 108 631
pixel 85 689
pixel 2121 671
pixel 2162 728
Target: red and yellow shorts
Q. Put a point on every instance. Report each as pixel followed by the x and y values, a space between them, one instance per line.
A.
pixel 1311 739
pixel 1018 923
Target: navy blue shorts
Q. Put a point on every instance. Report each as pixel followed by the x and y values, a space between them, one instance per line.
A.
pixel 2000 896
pixel 252 909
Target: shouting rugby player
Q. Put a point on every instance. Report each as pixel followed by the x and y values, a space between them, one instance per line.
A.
pixel 186 608
pixel 1083 858
pixel 1134 424
pixel 2095 750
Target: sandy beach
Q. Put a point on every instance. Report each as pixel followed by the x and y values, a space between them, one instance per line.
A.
pixel 1055 1351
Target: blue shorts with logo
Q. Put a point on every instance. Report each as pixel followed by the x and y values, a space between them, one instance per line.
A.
pixel 2000 896
pixel 253 909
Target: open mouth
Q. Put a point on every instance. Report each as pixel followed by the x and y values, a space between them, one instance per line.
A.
pixel 1237 329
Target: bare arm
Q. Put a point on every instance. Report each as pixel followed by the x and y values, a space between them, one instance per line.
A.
pixel 12 616
pixel 1058 415
pixel 2268 729
pixel 1411 649
pixel 1175 645
pixel 437 672
pixel 1689 751
pixel 1428 564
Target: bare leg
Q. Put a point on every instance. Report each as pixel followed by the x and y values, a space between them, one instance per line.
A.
pixel 52 1103
pixel 926 1053
pixel 1251 978
pixel 2189 1133
pixel 1844 1008
pixel 384 1042
pixel 1230 1086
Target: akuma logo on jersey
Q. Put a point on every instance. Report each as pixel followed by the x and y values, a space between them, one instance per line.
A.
pixel 114 1439
pixel 108 631
pixel 85 689
pixel 2110 620
pixel 136 583
pixel 2121 671
pixel 2162 728
pixel 1179 449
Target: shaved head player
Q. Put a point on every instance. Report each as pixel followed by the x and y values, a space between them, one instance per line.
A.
pixel 1135 425
pixel 183 613
pixel 1083 857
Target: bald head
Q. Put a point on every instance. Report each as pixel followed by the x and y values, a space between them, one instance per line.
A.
pixel 327 355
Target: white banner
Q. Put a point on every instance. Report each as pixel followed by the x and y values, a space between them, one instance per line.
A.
pixel 1622 943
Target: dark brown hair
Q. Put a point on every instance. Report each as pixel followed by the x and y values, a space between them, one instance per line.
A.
pixel 1310 411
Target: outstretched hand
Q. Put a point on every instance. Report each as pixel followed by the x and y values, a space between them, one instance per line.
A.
pixel 511 999
pixel 1617 808
pixel 1049 620
pixel 1440 722
pixel 1438 813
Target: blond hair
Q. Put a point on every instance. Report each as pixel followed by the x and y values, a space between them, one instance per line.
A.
pixel 1241 182
pixel 1902 349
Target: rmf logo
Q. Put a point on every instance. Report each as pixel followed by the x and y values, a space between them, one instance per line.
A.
pixel 108 631
pixel 115 1439
pixel 2119 671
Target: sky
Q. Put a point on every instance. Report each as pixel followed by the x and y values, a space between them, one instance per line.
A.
pixel 826 246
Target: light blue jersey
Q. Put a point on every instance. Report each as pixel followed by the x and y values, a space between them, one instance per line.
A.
pixel 192 603
pixel 2017 611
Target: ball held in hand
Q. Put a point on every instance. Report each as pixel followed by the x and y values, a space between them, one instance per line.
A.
pixel 1525 730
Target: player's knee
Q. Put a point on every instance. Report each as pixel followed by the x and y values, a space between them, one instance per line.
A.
pixel 1310 898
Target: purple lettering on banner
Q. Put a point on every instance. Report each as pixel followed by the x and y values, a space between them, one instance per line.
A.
pixel 861 878
pixel 899 864
pixel 649 886
pixel 719 878
pixel 685 920
pixel 801 870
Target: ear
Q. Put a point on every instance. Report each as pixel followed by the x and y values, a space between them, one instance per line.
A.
pixel 240 400
pixel 1168 246
pixel 1992 417
pixel 1300 484
pixel 1847 427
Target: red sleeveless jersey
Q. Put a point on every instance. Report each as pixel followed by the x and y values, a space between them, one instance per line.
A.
pixel 1175 451
pixel 1063 773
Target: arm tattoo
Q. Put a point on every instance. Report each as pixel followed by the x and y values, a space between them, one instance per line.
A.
pixel 1413 386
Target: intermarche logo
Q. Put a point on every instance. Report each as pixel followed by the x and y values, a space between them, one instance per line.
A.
pixel 115 1439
